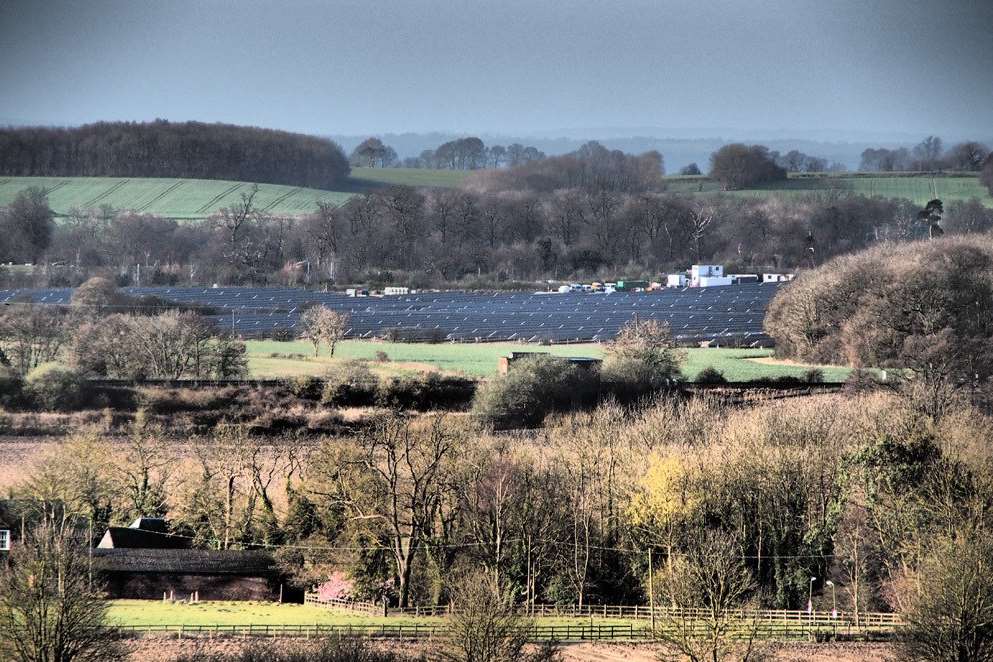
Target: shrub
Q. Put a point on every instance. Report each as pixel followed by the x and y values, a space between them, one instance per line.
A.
pixel 157 400
pixel 532 389
pixel 382 357
pixel 860 381
pixel 814 376
pixel 307 387
pixel 400 334
pixel 56 388
pixel 331 649
pixel 427 392
pixel 485 625
pixel 641 360
pixel 711 375
pixel 11 386
pixel 350 384
pixel 951 610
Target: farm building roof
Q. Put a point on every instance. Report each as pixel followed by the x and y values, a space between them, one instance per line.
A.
pixel 185 561
pixel 121 537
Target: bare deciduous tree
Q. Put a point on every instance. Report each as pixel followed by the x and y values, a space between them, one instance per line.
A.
pixel 49 607
pixel 322 325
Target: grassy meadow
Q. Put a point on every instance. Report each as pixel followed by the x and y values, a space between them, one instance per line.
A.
pixel 408 177
pixel 918 188
pixel 279 359
pixel 158 613
pixel 199 198
pixel 172 198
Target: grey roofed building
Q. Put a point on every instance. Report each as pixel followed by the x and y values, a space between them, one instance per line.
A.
pixel 145 561
pixel 149 574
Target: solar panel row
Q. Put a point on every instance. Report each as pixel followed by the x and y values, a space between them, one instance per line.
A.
pixel 729 315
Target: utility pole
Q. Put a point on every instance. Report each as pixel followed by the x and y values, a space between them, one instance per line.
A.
pixel 89 541
pixel 651 590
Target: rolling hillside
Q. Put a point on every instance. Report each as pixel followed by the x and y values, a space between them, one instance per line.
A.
pixel 173 198
pixel 408 177
pixel 199 198
pixel 918 188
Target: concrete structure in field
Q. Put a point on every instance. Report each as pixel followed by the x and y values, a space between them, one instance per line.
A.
pixel 144 561
pixel 504 363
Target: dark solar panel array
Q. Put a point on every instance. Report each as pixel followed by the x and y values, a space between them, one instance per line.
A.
pixel 728 315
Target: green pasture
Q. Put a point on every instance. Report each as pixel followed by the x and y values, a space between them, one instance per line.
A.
pixel 408 177
pixel 172 198
pixel 294 358
pixel 917 188
pixel 199 198
pixel 157 612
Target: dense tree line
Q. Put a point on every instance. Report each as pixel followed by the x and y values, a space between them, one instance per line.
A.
pixel 171 149
pixel 444 237
pixel 738 166
pixel 928 155
pixel 924 307
pixel 470 153
pixel 796 161
pixel 404 507
pixel 102 337
pixel 592 168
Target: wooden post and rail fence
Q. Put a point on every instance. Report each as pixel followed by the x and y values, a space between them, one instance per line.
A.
pixel 616 623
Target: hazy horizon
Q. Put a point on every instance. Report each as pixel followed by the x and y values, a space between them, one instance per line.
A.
pixel 514 68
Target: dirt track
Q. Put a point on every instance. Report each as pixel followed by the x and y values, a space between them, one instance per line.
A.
pixel 158 650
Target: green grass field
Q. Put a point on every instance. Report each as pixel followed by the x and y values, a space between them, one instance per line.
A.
pixel 408 177
pixel 918 188
pixel 156 612
pixel 480 360
pixel 172 198
pixel 199 198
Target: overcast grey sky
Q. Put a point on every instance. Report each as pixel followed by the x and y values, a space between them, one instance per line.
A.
pixel 512 66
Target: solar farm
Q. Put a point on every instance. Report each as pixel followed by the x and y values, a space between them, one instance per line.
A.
pixel 730 316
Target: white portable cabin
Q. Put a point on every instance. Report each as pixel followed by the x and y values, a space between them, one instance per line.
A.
pixel 776 278
pixel 699 271
pixel 395 291
pixel 675 280
pixel 714 281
